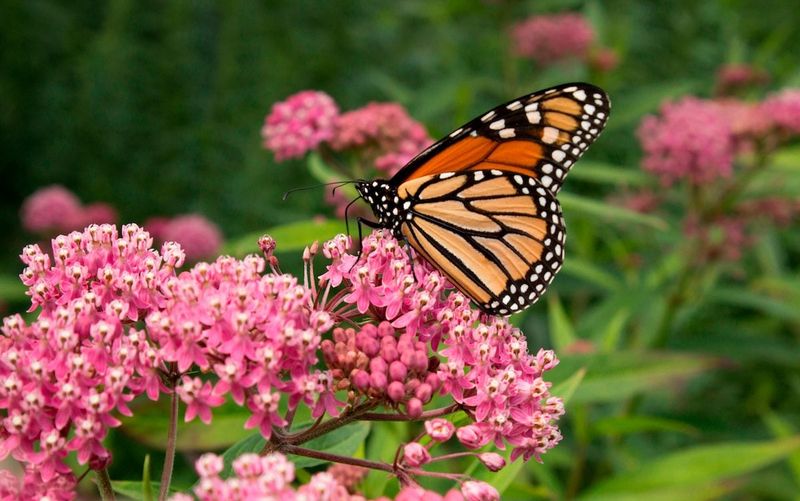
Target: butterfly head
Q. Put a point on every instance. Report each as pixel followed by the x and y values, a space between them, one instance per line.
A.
pixel 385 203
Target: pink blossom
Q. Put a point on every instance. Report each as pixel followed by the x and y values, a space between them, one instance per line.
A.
pixel 299 124
pixel 732 78
pixel 675 148
pixel 50 209
pixel 384 132
pixel 551 38
pixel 97 213
pixel 603 59
pixel 415 454
pixel 492 461
pixel 199 237
pixel 479 491
pixel 783 109
pixel 439 429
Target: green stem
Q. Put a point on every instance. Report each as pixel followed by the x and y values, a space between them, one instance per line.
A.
pixel 104 485
pixel 169 454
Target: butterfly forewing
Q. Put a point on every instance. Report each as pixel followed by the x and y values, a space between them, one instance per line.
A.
pixel 498 238
pixel 540 135
pixel 480 204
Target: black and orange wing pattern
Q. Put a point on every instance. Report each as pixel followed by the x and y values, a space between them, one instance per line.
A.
pixel 480 205
pixel 540 135
pixel 498 238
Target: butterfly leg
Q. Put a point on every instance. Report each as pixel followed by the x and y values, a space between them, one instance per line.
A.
pixel 368 223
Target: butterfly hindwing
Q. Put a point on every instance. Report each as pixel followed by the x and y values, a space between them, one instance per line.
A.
pixel 540 135
pixel 498 237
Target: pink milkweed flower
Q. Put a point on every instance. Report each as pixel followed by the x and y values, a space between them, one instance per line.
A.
pixel 783 110
pixel 415 454
pixel 199 237
pixel 676 149
pixel 479 491
pixel 299 124
pixel 50 209
pixel 551 38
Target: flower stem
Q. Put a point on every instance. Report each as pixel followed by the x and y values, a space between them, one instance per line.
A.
pixel 169 454
pixel 335 458
pixel 381 416
pixel 104 485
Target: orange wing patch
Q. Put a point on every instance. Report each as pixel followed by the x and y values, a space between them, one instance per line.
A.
pixel 467 151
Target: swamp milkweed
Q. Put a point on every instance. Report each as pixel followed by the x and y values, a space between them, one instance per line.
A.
pixel 480 204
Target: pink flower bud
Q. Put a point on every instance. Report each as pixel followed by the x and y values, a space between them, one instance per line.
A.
pixel 439 429
pixel 415 454
pixel 472 436
pixel 419 361
pixel 209 465
pixel 367 344
pixel 396 391
pixel 492 461
pixel 423 392
pixel 267 245
pixel 389 353
pixel 397 371
pixel 414 407
pixel 378 365
pixel 479 491
pixel 360 379
pixel 378 380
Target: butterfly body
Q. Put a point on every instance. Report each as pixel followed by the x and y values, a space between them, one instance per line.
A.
pixel 480 205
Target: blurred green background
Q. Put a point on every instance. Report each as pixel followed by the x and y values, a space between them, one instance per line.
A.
pixel 156 108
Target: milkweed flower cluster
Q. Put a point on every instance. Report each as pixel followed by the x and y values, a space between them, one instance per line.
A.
pixel 732 78
pixel 198 237
pixel 676 148
pixel 118 319
pixel 711 157
pixel 271 476
pixel 55 209
pixel 299 124
pixel 380 137
pixel 385 132
pixel 551 38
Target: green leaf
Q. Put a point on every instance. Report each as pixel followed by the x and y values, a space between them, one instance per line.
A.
pixel 134 489
pixel 783 428
pixel 609 335
pixel 322 171
pixel 151 424
pixel 566 389
pixel 343 441
pixel 381 446
pixel 618 376
pixel 629 107
pixel 589 272
pixel 700 468
pixel 11 289
pixel 562 333
pixel 289 237
pixel 744 297
pixel 599 172
pixel 147 484
pixel 624 425
pixel 608 212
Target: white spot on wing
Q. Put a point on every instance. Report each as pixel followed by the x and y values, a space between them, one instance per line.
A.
pixel 506 133
pixel 549 135
pixel 498 124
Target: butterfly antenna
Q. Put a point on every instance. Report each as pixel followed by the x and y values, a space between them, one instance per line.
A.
pixel 314 186
pixel 347 219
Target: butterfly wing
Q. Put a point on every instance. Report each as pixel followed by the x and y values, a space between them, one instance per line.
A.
pixel 539 135
pixel 498 237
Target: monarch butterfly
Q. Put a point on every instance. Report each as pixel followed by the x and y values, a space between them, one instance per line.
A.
pixel 480 205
